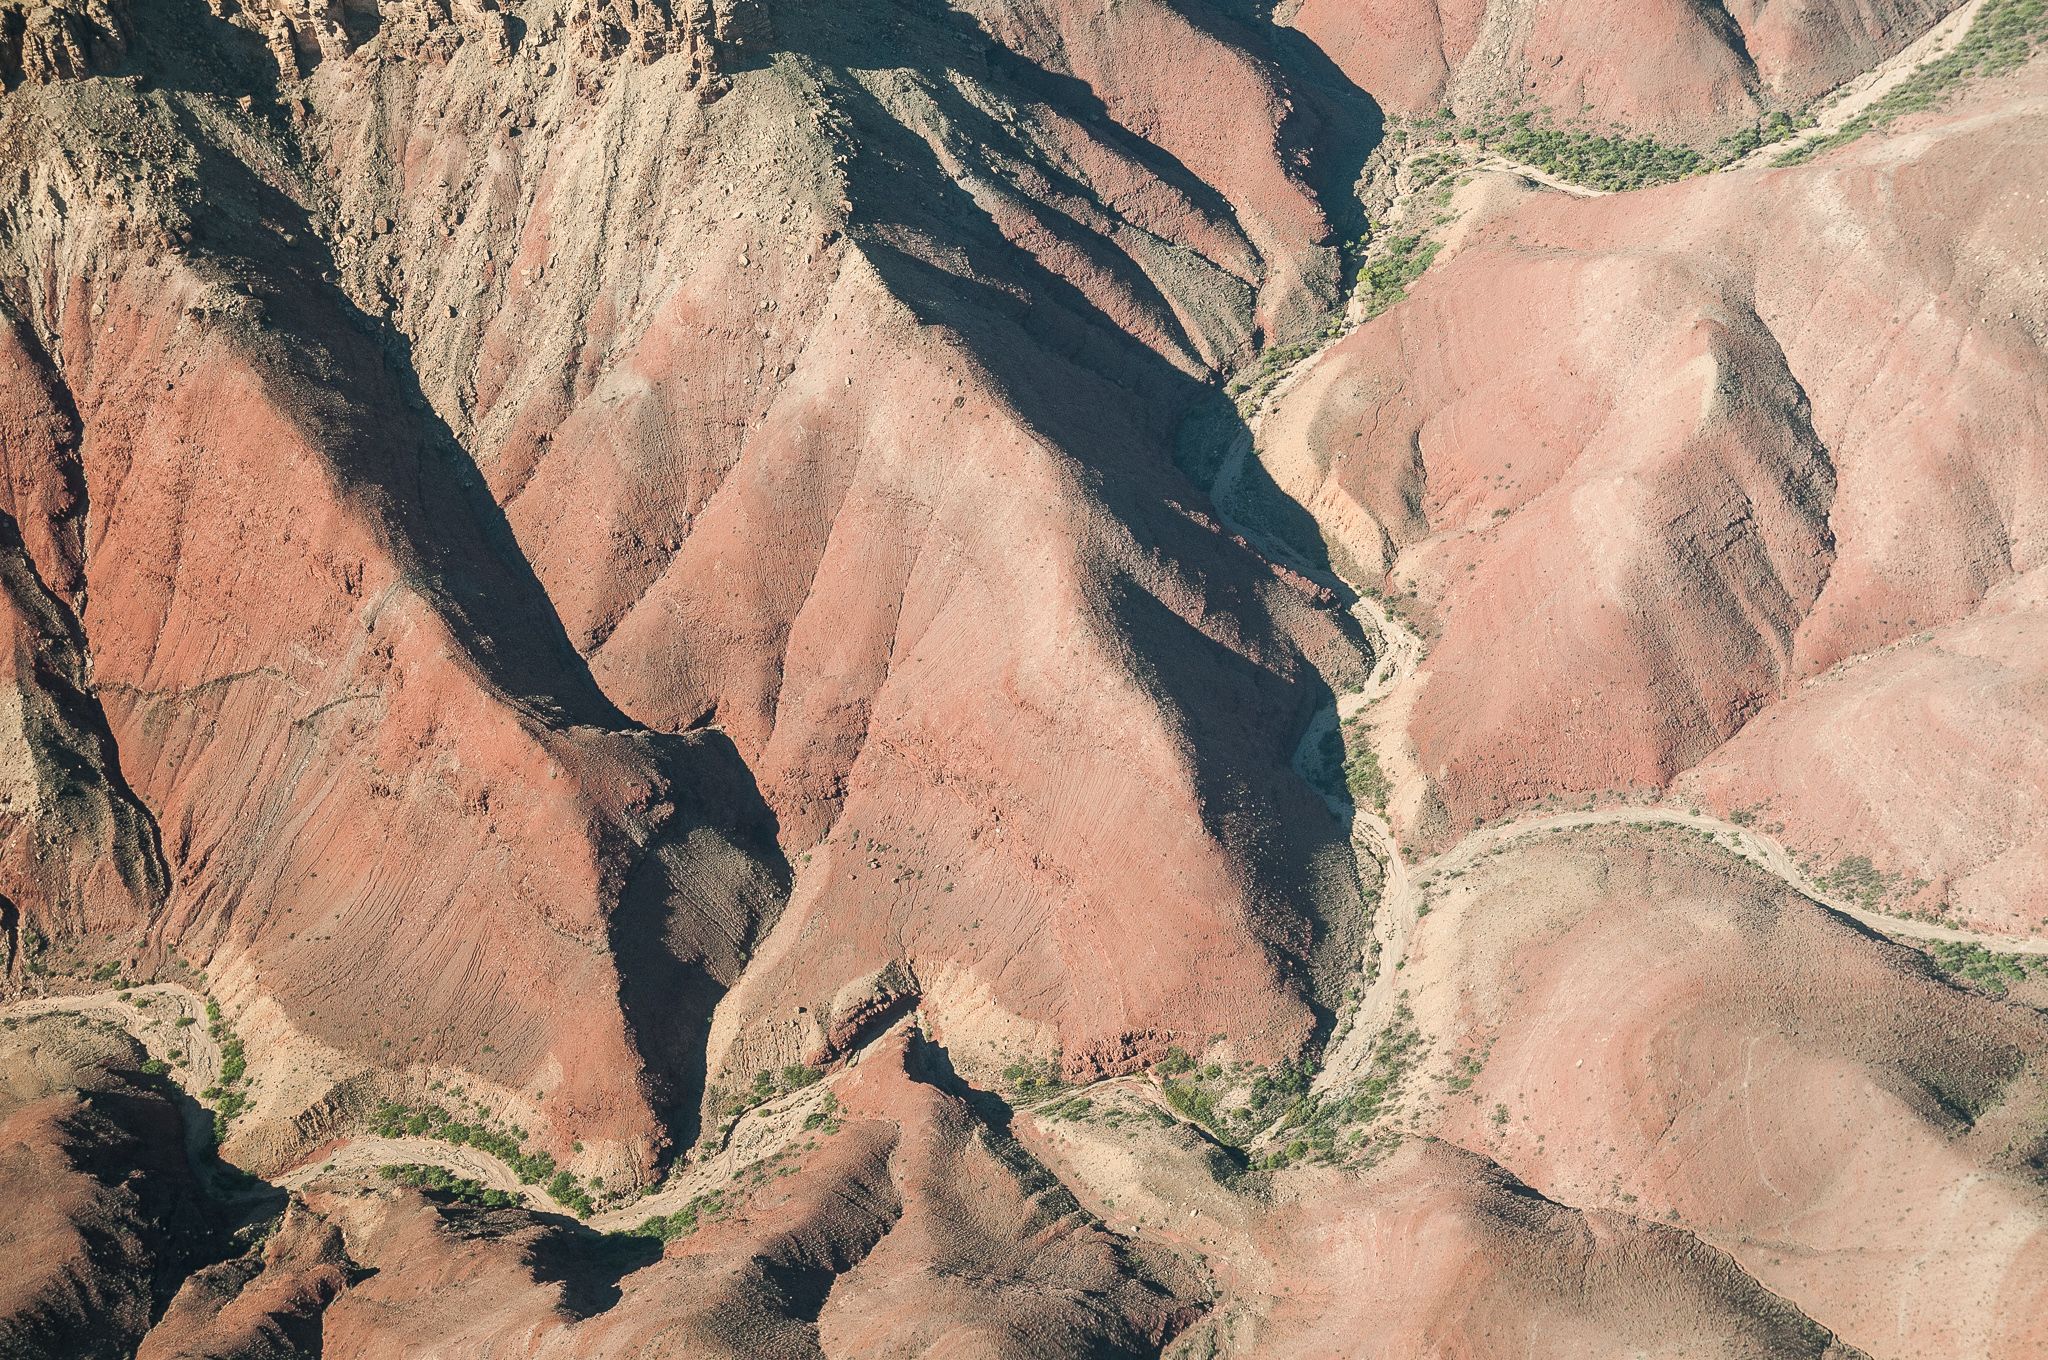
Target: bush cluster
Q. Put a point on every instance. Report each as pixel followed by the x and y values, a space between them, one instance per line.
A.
pixel 1995 973
pixel 1318 1120
pixel 2001 39
pixel 1610 163
pixel 234 1066
pixel 447 1183
pixel 707 1207
pixel 1385 281
pixel 1034 1081
pixel 566 1191
pixel 766 1087
pixel 394 1120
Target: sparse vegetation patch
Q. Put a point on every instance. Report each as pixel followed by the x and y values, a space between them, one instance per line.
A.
pixel 444 1182
pixel 394 1120
pixel 1385 280
pixel 1973 963
pixel 2001 40
pixel 708 1207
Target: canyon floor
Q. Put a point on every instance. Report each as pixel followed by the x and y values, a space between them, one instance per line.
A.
pixel 1182 678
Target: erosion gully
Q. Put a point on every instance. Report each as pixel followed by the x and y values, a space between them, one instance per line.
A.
pixel 1398 655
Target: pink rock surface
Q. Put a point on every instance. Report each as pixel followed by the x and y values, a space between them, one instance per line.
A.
pixel 1651 461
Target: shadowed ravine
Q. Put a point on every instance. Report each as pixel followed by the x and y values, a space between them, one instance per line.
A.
pixel 1022 679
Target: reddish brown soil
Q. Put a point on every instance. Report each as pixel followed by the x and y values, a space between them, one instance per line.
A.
pixel 1667 67
pixel 579 561
pixel 1672 1034
pixel 1644 486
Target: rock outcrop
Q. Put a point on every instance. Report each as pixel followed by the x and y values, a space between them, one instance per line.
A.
pixel 42 43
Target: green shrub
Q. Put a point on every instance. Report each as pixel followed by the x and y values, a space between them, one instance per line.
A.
pixel 1610 163
pixel 2001 39
pixel 445 1182
pixel 1386 281
pixel 1362 777
pixel 1995 973
pixel 821 1118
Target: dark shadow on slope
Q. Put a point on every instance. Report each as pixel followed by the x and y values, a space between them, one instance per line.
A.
pixel 1214 441
pixel 717 866
pixel 1307 900
pixel 1053 1208
pixel 1336 125
pixel 1113 405
pixel 181 45
pixel 348 380
pixel 588 1264
pixel 68 741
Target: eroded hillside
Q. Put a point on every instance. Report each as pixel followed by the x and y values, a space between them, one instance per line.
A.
pixel 1023 679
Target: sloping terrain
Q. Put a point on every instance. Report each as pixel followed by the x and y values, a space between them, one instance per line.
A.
pixel 766 679
pixel 1664 66
pixel 1767 401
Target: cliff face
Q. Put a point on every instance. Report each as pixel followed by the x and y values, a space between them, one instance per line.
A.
pixel 550 503
pixel 570 567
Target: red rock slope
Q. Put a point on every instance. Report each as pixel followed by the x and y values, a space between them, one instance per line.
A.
pixel 1653 463
pixel 1676 69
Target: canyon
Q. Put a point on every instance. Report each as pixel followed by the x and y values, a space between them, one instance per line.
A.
pixel 1177 678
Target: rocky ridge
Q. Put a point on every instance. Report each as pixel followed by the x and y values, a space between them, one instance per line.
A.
pixel 635 592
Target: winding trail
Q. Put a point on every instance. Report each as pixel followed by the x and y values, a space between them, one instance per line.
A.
pixel 362 1155
pixel 1863 91
pixel 1398 654
pixel 151 1015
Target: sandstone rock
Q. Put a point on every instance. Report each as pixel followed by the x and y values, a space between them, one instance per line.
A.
pixel 647 30
pixel 41 44
pixel 281 36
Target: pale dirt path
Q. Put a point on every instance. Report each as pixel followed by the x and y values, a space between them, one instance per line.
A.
pixel 362 1156
pixel 1873 85
pixel 1759 849
pixel 155 1026
pixel 1490 161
